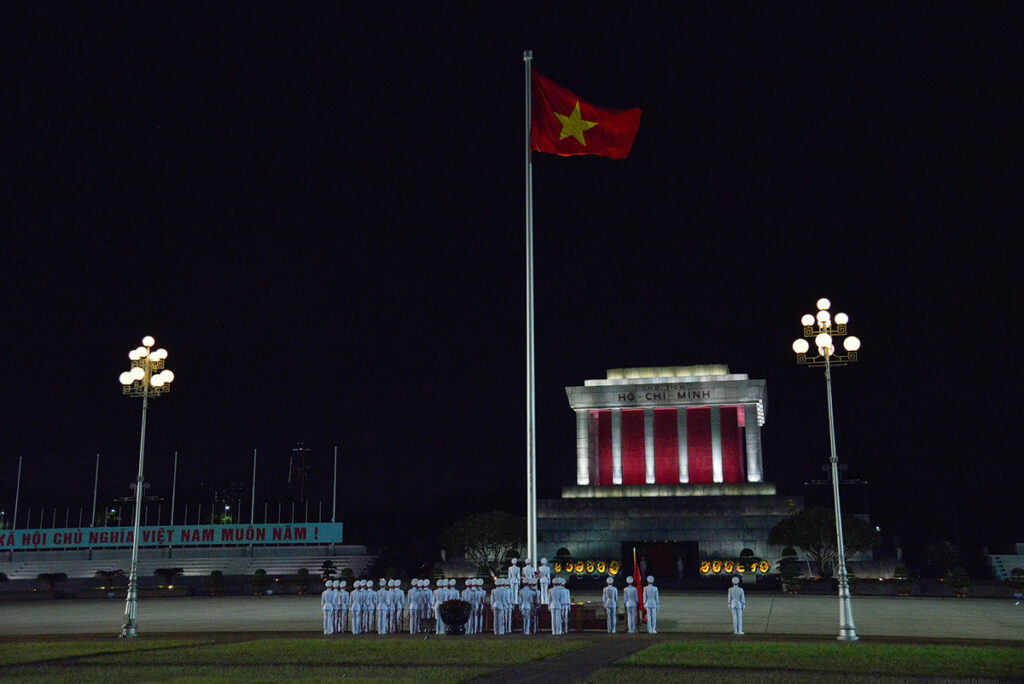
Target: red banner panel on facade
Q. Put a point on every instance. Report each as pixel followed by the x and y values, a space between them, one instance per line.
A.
pixel 732 458
pixel 604 445
pixel 634 468
pixel 666 446
pixel 698 445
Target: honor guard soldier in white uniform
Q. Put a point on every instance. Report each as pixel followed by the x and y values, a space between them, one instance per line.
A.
pixel 498 605
pixel 398 604
pixel 341 599
pixel 479 605
pixel 355 607
pixel 369 606
pixel 527 599
pixel 440 594
pixel 556 596
pixel 327 606
pixel 382 607
pixel 651 604
pixel 544 579
pixel 426 606
pixel 514 579
pixel 467 596
pixel 566 604
pixel 412 598
pixel 610 599
pixel 630 599
pixel 737 602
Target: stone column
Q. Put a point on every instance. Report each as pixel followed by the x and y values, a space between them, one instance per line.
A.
pixel 752 432
pixel 716 444
pixel 616 446
pixel 582 447
pixel 649 445
pixel 684 457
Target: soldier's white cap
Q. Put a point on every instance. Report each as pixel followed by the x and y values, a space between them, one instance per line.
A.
pixel 357 583
pixel 650 579
pixel 543 561
pixel 515 560
pixel 336 584
pixel 383 581
pixel 527 561
pixel 610 580
pixel 629 579
pixel 735 580
pixel 342 584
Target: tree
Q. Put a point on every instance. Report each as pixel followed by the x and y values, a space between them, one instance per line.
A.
pixel 303 581
pixel 168 575
pixel 260 581
pixel 486 539
pixel 814 531
pixel 216 582
pixel 327 570
pixel 52 579
pixel 107 578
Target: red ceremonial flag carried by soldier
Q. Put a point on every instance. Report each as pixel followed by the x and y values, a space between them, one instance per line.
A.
pixel 638 582
pixel 563 124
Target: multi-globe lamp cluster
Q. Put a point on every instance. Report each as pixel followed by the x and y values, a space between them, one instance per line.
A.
pixel 147 377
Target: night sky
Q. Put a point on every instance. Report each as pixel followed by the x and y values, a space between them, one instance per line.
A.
pixel 319 211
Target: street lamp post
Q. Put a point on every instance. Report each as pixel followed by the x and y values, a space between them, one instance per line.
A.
pixel 824 330
pixel 147 378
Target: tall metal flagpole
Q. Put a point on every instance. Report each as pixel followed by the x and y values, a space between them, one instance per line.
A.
pixel 531 435
pixel 334 487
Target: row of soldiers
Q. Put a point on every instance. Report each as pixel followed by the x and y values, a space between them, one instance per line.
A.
pixel 365 609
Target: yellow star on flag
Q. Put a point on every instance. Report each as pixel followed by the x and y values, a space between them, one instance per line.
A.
pixel 574 125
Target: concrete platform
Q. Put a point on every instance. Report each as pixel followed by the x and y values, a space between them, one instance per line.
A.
pixel 771 615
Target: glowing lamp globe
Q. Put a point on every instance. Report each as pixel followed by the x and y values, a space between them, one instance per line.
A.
pixel 801 346
pixel 133 355
pixel 824 317
pixel 851 343
pixel 137 373
pixel 156 381
pixel 842 319
pixel 823 341
pixel 167 375
pixel 807 320
pixel 148 341
pixel 824 304
pixel 125 378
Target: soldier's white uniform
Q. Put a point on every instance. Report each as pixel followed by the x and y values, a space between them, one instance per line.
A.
pixel 651 605
pixel 369 606
pixel 467 596
pixel 498 605
pixel 544 579
pixel 529 572
pixel 514 578
pixel 440 595
pixel 555 598
pixel 340 606
pixel 566 604
pixel 398 606
pixel 327 606
pixel 479 605
pixel 382 607
pixel 527 598
pixel 610 599
pixel 737 602
pixel 630 599
pixel 355 607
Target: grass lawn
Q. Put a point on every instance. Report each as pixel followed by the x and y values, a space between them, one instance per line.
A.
pixel 267 659
pixel 791 661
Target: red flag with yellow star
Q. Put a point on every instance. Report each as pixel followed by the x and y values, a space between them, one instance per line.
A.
pixel 563 124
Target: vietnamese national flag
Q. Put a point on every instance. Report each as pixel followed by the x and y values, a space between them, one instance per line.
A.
pixel 638 582
pixel 563 124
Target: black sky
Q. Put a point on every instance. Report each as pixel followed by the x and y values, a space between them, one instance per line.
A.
pixel 318 210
